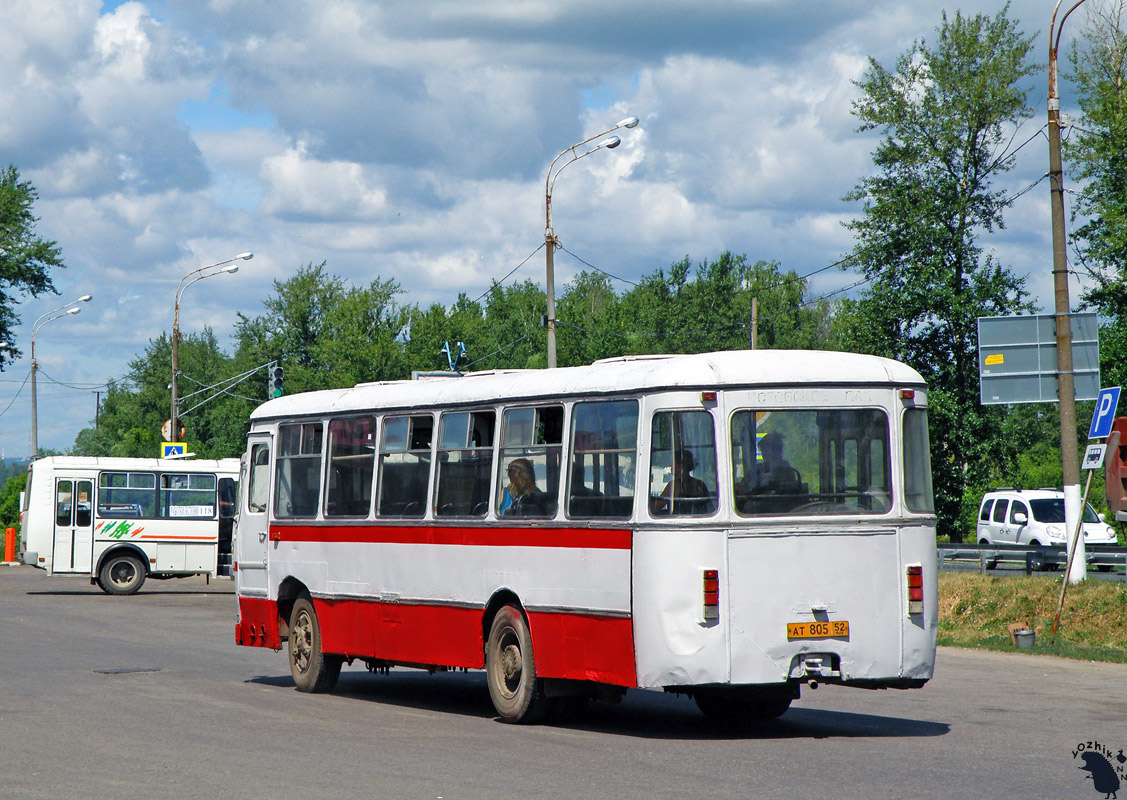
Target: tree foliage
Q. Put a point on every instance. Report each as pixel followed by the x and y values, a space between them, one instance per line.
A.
pixel 1097 152
pixel 946 114
pixel 25 259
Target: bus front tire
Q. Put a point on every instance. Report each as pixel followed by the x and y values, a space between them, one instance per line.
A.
pixel 121 575
pixel 312 669
pixel 517 694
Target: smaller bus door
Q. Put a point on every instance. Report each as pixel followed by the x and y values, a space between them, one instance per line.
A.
pixel 74 525
pixel 252 527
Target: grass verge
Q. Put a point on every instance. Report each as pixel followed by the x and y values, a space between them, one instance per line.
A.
pixel 974 611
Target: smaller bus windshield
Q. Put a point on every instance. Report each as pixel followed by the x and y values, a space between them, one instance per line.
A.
pixel 832 461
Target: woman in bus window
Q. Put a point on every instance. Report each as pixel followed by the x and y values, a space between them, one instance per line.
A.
pixel 520 497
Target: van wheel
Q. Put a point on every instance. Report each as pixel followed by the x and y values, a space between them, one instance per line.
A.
pixel 991 563
pixel 121 575
pixel 312 669
pixel 516 692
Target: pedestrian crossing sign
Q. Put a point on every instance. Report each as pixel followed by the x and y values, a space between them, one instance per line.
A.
pixel 171 449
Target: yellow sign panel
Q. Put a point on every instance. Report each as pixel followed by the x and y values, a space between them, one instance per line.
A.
pixel 170 449
pixel 996 358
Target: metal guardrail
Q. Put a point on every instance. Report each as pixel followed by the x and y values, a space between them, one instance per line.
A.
pixel 1035 559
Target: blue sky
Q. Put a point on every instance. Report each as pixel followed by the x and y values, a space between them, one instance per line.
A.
pixel 410 142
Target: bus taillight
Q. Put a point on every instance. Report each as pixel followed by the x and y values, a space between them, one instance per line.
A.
pixel 711 595
pixel 915 589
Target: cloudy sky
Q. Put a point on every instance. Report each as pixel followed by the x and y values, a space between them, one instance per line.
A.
pixel 410 141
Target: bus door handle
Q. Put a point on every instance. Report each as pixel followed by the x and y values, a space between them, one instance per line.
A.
pixel 261 537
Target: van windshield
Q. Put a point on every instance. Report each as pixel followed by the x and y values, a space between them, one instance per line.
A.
pixel 1052 510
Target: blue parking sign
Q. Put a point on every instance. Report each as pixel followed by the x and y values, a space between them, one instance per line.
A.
pixel 1104 414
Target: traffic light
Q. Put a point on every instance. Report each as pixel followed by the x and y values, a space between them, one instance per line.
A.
pixel 276 382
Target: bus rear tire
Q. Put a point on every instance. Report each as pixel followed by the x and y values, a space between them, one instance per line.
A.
pixel 121 575
pixel 312 669
pixel 516 692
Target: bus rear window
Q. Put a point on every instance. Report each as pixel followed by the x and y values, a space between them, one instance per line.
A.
pixel 811 462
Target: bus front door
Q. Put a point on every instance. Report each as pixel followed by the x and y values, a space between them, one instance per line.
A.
pixel 74 521
pixel 251 527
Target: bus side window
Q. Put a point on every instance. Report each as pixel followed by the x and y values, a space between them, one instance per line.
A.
pixel 604 457
pixel 465 464
pixel 352 460
pixel 531 441
pixel 404 470
pixel 298 485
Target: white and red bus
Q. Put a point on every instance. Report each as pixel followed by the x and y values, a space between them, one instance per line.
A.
pixel 725 525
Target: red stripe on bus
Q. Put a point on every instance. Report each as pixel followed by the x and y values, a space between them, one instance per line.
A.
pixel 592 538
pixel 564 645
pixel 179 538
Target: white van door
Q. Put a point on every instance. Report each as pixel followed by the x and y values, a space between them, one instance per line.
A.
pixel 74 525
pixel 252 524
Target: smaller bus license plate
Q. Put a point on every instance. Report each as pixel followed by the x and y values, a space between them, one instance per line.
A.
pixel 838 628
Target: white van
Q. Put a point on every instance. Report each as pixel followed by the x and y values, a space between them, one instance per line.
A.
pixel 1035 517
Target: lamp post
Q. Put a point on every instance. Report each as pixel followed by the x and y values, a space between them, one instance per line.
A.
pixel 550 240
pixel 1066 390
pixel 50 316
pixel 221 268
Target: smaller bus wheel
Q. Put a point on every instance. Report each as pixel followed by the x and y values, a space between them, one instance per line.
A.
pixel 516 692
pixel 121 574
pixel 313 670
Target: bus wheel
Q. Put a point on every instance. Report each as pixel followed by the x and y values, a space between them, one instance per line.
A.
pixel 121 574
pixel 510 670
pixel 312 669
pixel 742 706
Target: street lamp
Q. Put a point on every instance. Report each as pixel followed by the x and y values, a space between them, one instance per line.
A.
pixel 550 240
pixel 228 268
pixel 50 316
pixel 1066 390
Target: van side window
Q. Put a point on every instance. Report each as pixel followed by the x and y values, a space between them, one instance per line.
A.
pixel 1000 510
pixel 405 456
pixel 1016 508
pixel 984 514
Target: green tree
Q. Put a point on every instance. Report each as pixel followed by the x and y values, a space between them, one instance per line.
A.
pixel 1097 152
pixel 25 259
pixel 946 114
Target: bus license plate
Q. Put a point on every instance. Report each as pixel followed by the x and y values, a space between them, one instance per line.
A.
pixel 833 629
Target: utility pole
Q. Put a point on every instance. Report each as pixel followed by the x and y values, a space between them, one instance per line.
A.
pixel 1066 390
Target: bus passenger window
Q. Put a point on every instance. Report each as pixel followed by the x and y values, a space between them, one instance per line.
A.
pixel 531 442
pixel 404 469
pixel 188 496
pixel 352 464
pixel 465 464
pixel 682 464
pixel 258 488
pixel 297 485
pixel 127 494
pixel 604 457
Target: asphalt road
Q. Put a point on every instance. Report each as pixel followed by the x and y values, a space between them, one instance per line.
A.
pixel 148 697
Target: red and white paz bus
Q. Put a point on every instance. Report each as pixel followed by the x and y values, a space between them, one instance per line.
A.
pixel 725 525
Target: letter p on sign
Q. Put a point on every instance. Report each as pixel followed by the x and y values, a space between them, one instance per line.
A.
pixel 1104 414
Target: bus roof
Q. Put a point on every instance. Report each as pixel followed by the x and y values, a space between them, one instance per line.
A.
pixel 726 369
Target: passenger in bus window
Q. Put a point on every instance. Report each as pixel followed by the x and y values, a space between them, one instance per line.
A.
pixel 775 473
pixel 521 497
pixel 682 486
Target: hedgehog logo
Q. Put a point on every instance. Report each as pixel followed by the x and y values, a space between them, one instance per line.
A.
pixel 1101 773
